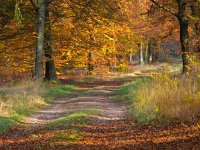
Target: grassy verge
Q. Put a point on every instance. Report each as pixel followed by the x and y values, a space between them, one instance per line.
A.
pixel 77 117
pixel 58 90
pixel 163 98
pixel 20 100
pixel 128 91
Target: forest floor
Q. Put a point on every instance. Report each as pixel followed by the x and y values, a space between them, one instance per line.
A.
pixel 89 119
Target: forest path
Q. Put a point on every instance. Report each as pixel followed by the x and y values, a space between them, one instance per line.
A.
pixel 90 96
pixel 110 128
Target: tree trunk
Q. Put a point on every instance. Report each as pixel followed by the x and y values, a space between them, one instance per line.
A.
pixel 40 42
pixel 146 57
pixel 90 66
pixel 131 58
pixel 150 51
pixel 155 49
pixel 50 71
pixel 184 39
pixel 141 60
pixel 183 23
pixel 184 35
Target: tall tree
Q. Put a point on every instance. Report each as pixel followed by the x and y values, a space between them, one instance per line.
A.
pixel 180 12
pixel 50 70
pixel 39 71
pixel 140 54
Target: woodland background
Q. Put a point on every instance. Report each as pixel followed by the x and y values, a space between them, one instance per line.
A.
pixel 93 36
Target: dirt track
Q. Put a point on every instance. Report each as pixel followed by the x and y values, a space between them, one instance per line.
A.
pixel 111 128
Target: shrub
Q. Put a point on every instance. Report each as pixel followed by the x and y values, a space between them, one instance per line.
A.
pixel 122 67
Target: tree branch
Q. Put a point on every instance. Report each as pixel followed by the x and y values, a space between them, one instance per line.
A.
pixel 164 8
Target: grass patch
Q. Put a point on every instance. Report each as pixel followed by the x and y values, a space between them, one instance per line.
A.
pixel 76 117
pixel 55 91
pixel 128 91
pixel 92 92
pixel 7 122
pixel 163 97
pixel 22 99
pixel 167 98
pixel 66 133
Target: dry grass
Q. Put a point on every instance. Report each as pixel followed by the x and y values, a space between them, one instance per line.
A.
pixel 18 101
pixel 167 98
pixel 21 99
pixel 24 98
pixel 164 96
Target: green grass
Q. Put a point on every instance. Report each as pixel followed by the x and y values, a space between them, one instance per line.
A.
pixel 127 92
pixel 66 127
pixel 58 90
pixel 25 98
pixel 92 91
pixel 77 117
pixel 7 122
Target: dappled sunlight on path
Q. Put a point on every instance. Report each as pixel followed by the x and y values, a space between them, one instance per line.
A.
pixel 111 128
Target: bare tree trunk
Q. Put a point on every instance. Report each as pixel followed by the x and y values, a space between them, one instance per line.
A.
pixel 90 66
pixel 184 35
pixel 146 57
pixel 184 38
pixel 40 42
pixel 131 58
pixel 150 50
pixel 155 48
pixel 50 71
pixel 141 60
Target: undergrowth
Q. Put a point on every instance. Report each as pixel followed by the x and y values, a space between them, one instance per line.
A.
pixel 25 98
pixel 163 97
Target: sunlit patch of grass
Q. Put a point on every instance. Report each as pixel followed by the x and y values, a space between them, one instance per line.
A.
pixel 66 127
pixel 147 69
pixel 163 98
pixel 76 117
pixel 60 90
pixel 24 98
pixel 18 101
pixel 93 92
pixel 168 98
pixel 128 91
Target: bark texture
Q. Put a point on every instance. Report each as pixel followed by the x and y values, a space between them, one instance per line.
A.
pixel 39 70
pixel 184 34
pixel 50 70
